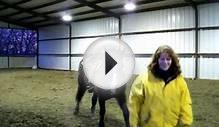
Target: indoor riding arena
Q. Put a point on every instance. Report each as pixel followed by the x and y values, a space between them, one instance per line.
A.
pixel 43 41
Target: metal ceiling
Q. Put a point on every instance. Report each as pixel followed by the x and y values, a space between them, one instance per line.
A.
pixel 38 13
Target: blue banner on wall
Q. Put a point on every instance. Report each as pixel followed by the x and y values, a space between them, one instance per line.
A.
pixel 15 42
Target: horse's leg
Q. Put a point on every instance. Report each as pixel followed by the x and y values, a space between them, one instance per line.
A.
pixel 94 102
pixel 122 103
pixel 80 93
pixel 102 112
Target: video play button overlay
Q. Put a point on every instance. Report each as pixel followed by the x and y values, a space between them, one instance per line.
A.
pixel 108 63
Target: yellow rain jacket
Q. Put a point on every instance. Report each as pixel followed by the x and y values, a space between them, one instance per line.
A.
pixel 154 104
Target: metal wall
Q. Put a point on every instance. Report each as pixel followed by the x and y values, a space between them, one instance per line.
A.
pixel 208 38
pixel 209 68
pixel 159 20
pixel 3 62
pixel 143 32
pixel 54 62
pixel 54 47
pixel 85 32
pixel 79 46
pixel 54 32
pixel 17 62
pixel 181 42
pixel 208 15
pixel 95 27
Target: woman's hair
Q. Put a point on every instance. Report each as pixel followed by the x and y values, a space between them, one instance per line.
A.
pixel 175 68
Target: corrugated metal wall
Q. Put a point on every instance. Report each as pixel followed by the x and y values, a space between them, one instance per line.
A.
pixel 144 32
pixel 89 29
pixel 79 46
pixel 209 68
pixel 3 62
pixel 95 27
pixel 54 47
pixel 16 62
pixel 155 21
pixel 182 42
pixel 159 20
pixel 209 17
pixel 53 32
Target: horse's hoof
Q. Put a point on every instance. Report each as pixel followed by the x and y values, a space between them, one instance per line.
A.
pixel 101 125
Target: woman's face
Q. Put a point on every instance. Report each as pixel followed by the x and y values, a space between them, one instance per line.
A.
pixel 164 61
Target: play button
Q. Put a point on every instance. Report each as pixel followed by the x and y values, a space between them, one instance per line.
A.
pixel 108 63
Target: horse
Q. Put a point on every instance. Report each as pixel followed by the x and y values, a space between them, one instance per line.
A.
pixel 84 85
pixel 102 95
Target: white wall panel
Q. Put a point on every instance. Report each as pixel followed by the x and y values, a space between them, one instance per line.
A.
pixel 159 20
pixel 208 68
pixel 3 62
pixel 22 61
pixel 95 27
pixel 51 32
pixel 78 46
pixel 54 62
pixel 187 67
pixel 141 64
pixel 75 63
pixel 181 42
pixel 209 41
pixel 54 47
pixel 209 15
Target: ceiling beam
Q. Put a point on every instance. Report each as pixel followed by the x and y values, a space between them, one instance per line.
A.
pixel 90 18
pixel 17 3
pixel 24 10
pixel 191 2
pixel 14 22
pixel 118 6
pixel 115 7
pixel 20 9
pixel 99 8
pixel 36 7
pixel 63 9
pixel 157 8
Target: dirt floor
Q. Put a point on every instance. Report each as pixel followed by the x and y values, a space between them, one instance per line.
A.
pixel 45 98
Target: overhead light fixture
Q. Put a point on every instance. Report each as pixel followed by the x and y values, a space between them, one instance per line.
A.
pixel 130 6
pixel 66 18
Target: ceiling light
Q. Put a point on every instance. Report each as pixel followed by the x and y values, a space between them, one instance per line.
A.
pixel 67 18
pixel 130 6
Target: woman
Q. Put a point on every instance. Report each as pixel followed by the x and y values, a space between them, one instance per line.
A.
pixel 160 97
